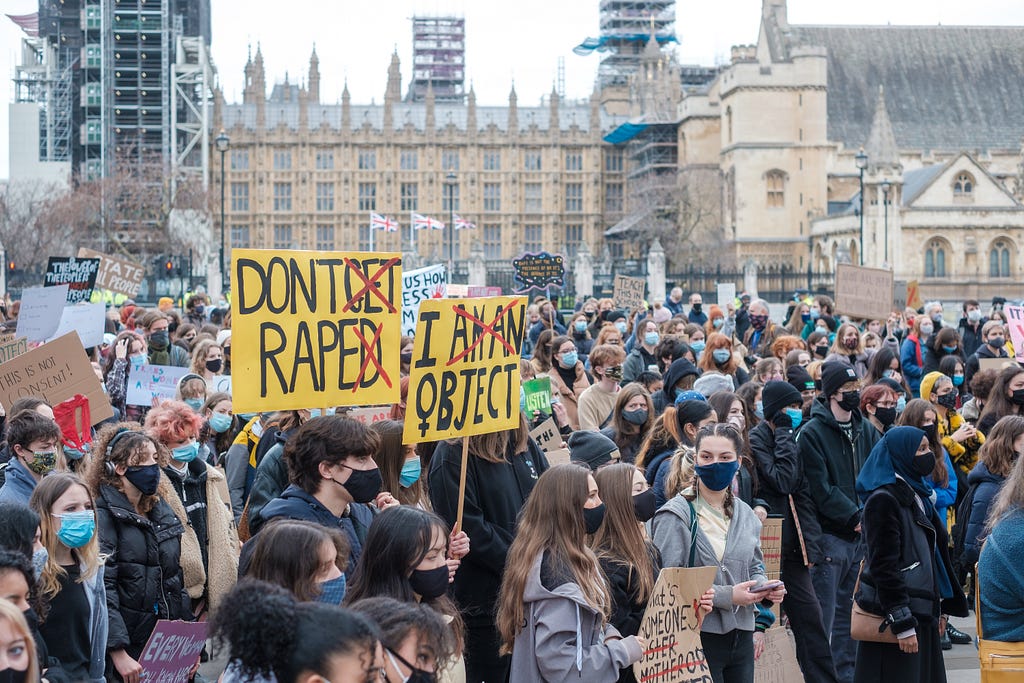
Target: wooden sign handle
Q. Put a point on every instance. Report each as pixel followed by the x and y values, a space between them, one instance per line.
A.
pixel 462 485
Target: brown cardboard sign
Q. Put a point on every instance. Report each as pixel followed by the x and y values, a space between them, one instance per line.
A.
pixel 12 348
pixel 116 274
pixel 671 627
pixel 864 292
pixel 547 436
pixel 629 292
pixel 778 664
pixel 54 371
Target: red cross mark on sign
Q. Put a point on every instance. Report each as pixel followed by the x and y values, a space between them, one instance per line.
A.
pixel 370 284
pixel 371 356
pixel 487 329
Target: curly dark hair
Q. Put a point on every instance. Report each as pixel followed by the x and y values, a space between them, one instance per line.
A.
pixel 329 439
pixel 397 620
pixel 268 632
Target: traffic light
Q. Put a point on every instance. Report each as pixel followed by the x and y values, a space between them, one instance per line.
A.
pixel 168 267
pixel 10 267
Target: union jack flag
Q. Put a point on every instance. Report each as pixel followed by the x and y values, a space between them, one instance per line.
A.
pixel 426 223
pixel 378 222
pixel 462 224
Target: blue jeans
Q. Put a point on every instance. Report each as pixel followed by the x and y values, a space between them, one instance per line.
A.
pixel 834 580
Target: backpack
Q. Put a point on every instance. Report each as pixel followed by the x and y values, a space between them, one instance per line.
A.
pixel 958 537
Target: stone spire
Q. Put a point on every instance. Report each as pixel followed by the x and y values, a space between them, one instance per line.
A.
pixel 431 122
pixel 881 144
pixel 259 89
pixel 314 77
pixel 394 89
pixel 595 110
pixel 471 111
pixel 553 125
pixel 346 110
pixel 513 111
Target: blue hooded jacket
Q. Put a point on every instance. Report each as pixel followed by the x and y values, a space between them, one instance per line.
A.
pixel 19 484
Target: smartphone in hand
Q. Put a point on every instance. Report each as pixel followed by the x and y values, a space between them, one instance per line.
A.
pixel 765 587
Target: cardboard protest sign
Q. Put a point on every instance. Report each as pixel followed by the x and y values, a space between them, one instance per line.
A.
pixel 778 663
pixel 558 456
pixel 116 274
pixel 172 650
pixel 41 310
pixel 547 436
pixel 629 292
pixel 537 271
pixel 55 371
pixel 671 627
pixel 864 292
pixel 371 414
pixel 478 291
pixel 771 549
pixel 13 348
pixel 914 299
pixel 79 274
pixel 323 328
pixel 1015 323
pixel 538 395
pixel 417 285
pixel 464 377
pixel 87 320
pixel 996 364
pixel 726 292
pixel 147 382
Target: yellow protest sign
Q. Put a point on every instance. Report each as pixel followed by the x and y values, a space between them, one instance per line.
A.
pixel 315 328
pixel 464 376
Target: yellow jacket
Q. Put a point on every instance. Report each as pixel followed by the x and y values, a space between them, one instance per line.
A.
pixel 964 455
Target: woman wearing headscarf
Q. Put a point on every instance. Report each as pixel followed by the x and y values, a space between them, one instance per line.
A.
pixel 907 574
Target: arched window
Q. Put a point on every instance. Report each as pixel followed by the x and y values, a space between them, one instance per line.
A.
pixel 963 185
pixel 999 260
pixel 935 259
pixel 775 182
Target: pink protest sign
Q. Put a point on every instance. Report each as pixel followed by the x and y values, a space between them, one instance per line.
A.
pixel 172 650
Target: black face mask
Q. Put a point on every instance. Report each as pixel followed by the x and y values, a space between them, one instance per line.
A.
pixel 406 357
pixel 644 505
pixel 947 401
pixel 214 365
pixel 362 485
pixel 430 584
pixel 145 478
pixel 924 463
pixel 13 675
pixel 820 351
pixel 885 415
pixel 417 675
pixel 932 431
pixel 851 400
pixel 1018 397
pixel 593 517
pixel 159 340
pixel 697 307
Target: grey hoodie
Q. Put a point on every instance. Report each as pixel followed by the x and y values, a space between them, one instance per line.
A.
pixel 563 638
pixel 670 531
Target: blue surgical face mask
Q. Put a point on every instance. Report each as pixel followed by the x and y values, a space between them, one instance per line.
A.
pixel 39 558
pixel 651 338
pixel 195 404
pixel 569 359
pixel 718 322
pixel 620 326
pixel 581 325
pixel 316 412
pixel 697 346
pixel 186 453
pixel 901 403
pixel 721 355
pixel 958 380
pixel 220 422
pixel 411 470
pixel 76 528
pixel 759 410
pixel 796 415
pixel 137 361
pixel 719 475
pixel 949 349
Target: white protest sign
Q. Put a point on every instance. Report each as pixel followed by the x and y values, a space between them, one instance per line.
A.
pixel 369 415
pixel 726 294
pixel 147 382
pixel 86 319
pixel 417 285
pixel 41 310
pixel 220 383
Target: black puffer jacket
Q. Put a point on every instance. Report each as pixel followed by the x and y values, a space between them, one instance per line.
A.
pixel 143 573
pixel 780 475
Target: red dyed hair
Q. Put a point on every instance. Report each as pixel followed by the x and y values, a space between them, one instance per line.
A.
pixel 173 421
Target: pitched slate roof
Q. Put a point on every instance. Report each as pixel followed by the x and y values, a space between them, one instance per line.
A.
pixel 946 87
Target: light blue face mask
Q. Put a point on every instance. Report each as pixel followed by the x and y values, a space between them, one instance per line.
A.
pixel 220 422
pixel 137 361
pixel 796 415
pixel 901 403
pixel 651 338
pixel 316 412
pixel 570 359
pixel 410 472
pixel 759 410
pixel 186 453
pixel 76 528
pixel 721 355
pixel 697 346
pixel 195 404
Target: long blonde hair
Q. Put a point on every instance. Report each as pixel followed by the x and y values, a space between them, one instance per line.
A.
pixel 680 471
pixel 551 522
pixel 12 614
pixel 44 496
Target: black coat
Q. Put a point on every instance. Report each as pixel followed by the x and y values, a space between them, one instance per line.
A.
pixel 143 574
pixel 627 609
pixel 900 575
pixel 780 475
pixel 974 362
pixel 495 493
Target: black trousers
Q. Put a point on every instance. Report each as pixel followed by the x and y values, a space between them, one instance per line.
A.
pixel 483 664
pixel 878 662
pixel 730 656
pixel 804 611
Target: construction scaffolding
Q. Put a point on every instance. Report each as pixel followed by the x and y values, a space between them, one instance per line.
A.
pixel 438 59
pixel 626 27
pixel 191 108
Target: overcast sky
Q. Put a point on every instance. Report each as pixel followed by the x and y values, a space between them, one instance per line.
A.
pixel 523 42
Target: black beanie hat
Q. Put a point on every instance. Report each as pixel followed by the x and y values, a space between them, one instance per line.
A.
pixel 776 395
pixel 799 378
pixel 592 449
pixel 835 374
